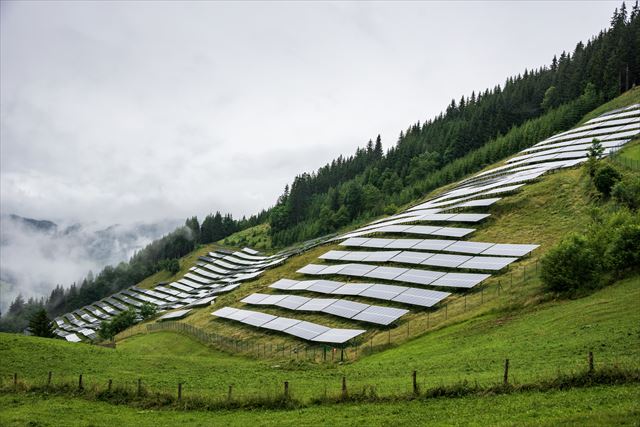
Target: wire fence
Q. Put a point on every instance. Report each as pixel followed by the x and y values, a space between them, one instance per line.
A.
pixel 623 160
pixel 454 307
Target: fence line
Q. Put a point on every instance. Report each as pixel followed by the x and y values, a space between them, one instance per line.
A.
pixel 453 307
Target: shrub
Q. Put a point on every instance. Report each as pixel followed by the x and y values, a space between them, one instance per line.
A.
pixel 627 192
pixel 147 310
pixel 623 250
pixel 120 322
pixel 605 178
pixel 571 265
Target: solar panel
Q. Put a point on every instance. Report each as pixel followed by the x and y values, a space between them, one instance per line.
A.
pixel 280 324
pixel 453 232
pixel 225 312
pixel 175 315
pixel 380 315
pixel 460 280
pixel 386 273
pixel 351 289
pixel 345 308
pixel 283 284
pixel 376 243
pixel 272 299
pixel 422 277
pixel 324 286
pixel 239 315
pixel 381 256
pixel 317 304
pixel 385 292
pixel 408 257
pixel 469 247
pixel 478 203
pixel 312 269
pixel 72 338
pixel 254 298
pixel 357 270
pixel 402 243
pixel 488 263
pixel 420 297
pixel 355 256
pixel 258 319
pixel 334 255
pixel 469 217
pixel 446 260
pixel 292 302
pixel 354 241
pixel 338 336
pixel 505 249
pixel 433 244
pixel 306 330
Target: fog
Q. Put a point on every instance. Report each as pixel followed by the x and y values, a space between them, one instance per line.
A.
pixel 33 260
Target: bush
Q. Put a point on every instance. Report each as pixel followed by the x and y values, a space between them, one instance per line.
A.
pixel 147 310
pixel 571 265
pixel 623 251
pixel 605 178
pixel 627 192
pixel 120 322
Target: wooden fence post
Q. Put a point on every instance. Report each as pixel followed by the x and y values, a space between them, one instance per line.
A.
pixel 80 382
pixel 591 369
pixel 415 383
pixel 110 383
pixel 344 387
pixel 15 379
pixel 49 379
pixel 286 389
pixel 179 391
pixel 139 386
pixel 506 372
pixel 230 392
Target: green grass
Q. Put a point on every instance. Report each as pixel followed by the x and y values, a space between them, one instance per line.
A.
pixel 540 340
pixel 614 405
pixel 632 96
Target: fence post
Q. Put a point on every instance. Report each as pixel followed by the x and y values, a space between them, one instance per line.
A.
pixel 506 372
pixel 15 379
pixel 344 387
pixel 446 311
pixel 229 393
pixel 481 296
pixel 49 379
pixel 465 302
pixel 179 391
pixel 286 389
pixel 139 386
pixel 591 369
pixel 415 383
pixel 389 336
pixel 80 382
pixel 109 385
pixel 342 354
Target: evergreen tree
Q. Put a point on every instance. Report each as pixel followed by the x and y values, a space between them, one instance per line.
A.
pixel 40 325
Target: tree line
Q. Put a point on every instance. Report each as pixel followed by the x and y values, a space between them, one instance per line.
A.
pixel 161 254
pixel 528 107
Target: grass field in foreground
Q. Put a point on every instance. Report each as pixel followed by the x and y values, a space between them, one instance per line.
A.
pixel 540 340
pixel 611 405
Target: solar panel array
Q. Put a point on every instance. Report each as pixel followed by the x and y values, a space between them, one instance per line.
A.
pixel 379 255
pixel 338 307
pixel 197 288
pixel 299 328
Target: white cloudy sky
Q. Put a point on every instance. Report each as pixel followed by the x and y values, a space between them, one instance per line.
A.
pixel 122 111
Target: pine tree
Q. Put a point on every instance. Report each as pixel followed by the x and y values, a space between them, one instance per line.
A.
pixel 40 325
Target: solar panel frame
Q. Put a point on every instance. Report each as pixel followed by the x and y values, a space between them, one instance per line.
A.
pixel 386 273
pixel 258 319
pixel 292 302
pixel 507 249
pixel 380 315
pixel 384 292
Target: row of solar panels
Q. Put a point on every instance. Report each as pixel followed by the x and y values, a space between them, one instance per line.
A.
pixel 337 307
pixel 306 330
pixel 193 290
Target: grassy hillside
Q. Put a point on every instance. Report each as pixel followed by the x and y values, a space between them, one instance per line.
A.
pixel 584 407
pixel 540 340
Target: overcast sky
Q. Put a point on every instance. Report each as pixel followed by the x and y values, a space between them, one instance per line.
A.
pixel 122 111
